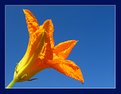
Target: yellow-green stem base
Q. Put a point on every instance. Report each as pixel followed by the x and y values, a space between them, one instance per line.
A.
pixel 11 83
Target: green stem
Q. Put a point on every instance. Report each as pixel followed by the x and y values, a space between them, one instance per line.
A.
pixel 11 83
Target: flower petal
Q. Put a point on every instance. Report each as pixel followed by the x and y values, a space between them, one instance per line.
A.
pixel 31 21
pixel 47 51
pixel 63 49
pixel 49 28
pixel 67 67
pixel 49 41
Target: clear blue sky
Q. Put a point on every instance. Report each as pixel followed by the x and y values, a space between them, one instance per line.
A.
pixel 93 26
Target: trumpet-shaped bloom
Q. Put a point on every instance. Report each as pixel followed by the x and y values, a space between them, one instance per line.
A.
pixel 42 53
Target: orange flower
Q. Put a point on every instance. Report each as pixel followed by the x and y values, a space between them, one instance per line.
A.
pixel 42 53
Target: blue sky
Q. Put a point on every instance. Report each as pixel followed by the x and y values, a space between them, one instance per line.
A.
pixel 93 26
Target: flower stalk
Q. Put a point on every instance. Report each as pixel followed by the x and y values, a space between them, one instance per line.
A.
pixel 11 83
